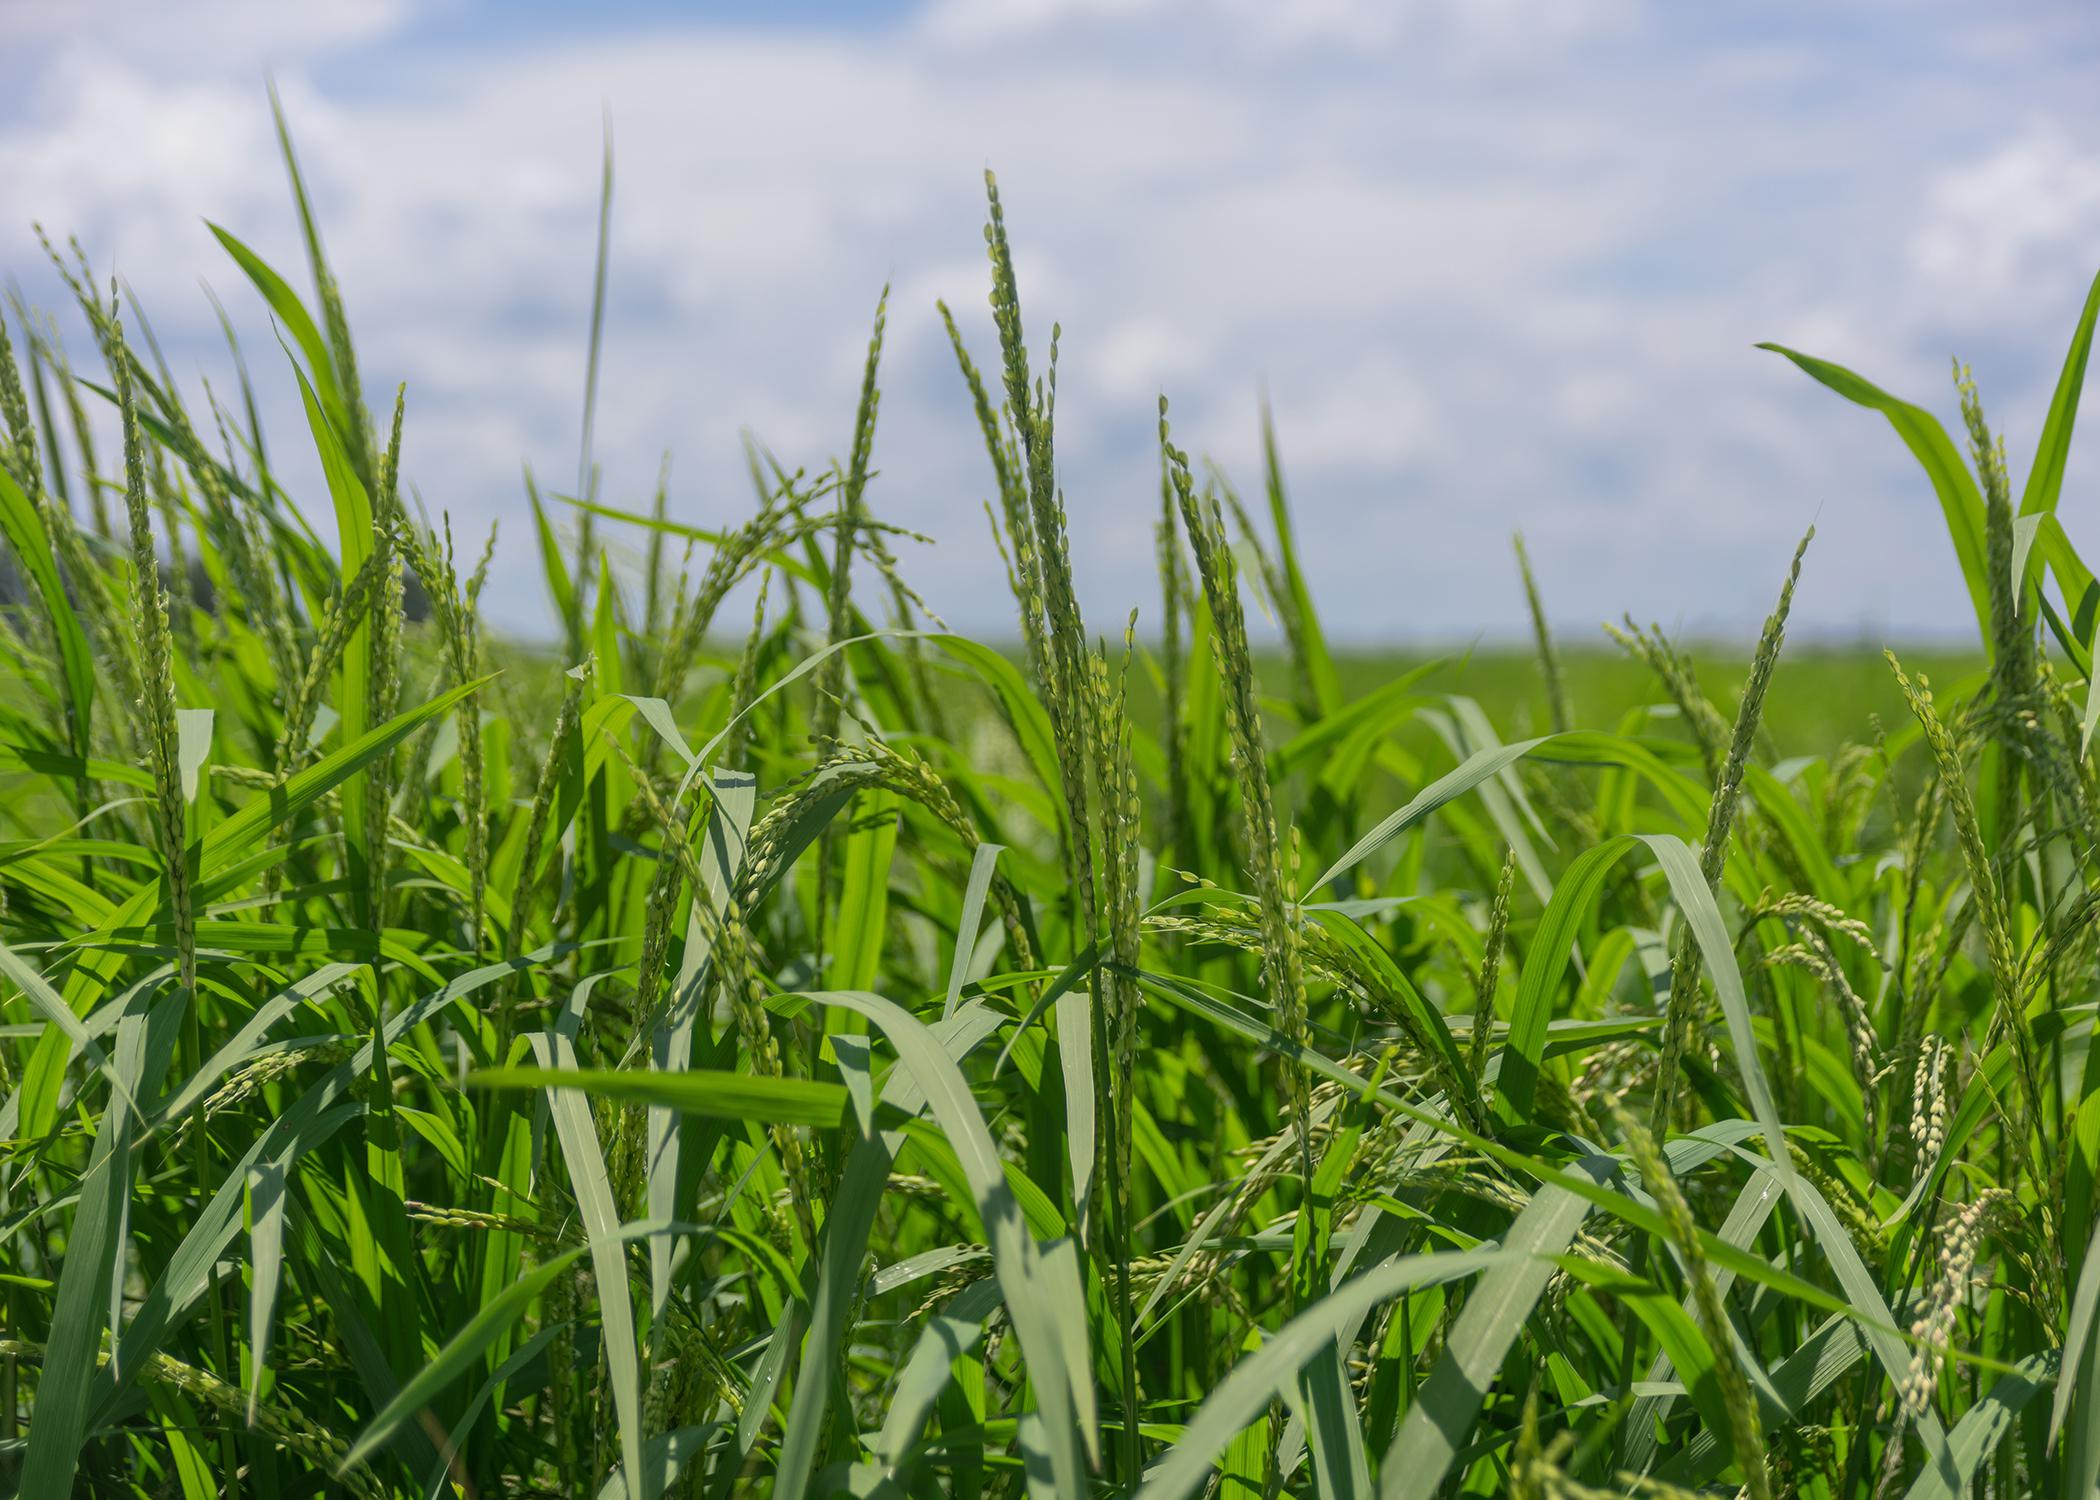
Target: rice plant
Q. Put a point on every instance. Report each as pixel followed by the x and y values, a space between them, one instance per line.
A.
pixel 829 1054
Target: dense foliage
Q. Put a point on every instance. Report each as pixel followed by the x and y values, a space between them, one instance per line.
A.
pixel 834 1054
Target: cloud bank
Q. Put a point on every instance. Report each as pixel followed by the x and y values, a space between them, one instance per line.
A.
pixel 1496 265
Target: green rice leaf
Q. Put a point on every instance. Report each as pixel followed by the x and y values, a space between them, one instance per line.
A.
pixel 1258 1379
pixel 458 1356
pixel 1960 505
pixel 1441 1419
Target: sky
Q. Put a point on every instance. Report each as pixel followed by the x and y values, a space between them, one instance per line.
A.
pixel 1498 265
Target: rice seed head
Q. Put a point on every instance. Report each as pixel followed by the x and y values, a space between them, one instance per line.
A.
pixel 1121 838
pixel 18 457
pixel 744 688
pixel 1832 919
pixel 157 664
pixel 383 681
pixel 545 790
pixel 1713 851
pixel 781 522
pixel 1721 812
pixel 247 554
pixel 870 402
pixel 21 448
pixel 872 762
pixel 1214 565
pixel 344 615
pixel 1561 716
pixel 1709 731
pixel 1983 876
pixel 1173 586
pixel 1746 1429
pixel 653 560
pixel 173 506
pixel 1063 686
pixel 1813 953
pixel 2010 645
pixel 2008 992
pixel 1490 974
pixel 1006 315
pixel 738 980
pixel 1962 1236
pixel 453 607
pixel 1928 1104
pixel 658 912
pixel 1009 474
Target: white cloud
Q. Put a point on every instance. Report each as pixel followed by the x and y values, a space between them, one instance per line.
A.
pixel 2015 228
pixel 1147 355
pixel 228 35
pixel 1375 418
pixel 1468 31
pixel 1504 272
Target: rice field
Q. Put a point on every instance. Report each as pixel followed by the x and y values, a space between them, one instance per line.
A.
pixel 771 1044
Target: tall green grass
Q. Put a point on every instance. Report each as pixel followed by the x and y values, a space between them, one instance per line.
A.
pixel 825 1053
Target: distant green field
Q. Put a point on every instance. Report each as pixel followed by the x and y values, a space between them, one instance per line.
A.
pixel 1821 697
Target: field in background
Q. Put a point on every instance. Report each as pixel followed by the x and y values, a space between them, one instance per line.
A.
pixel 1828 696
pixel 1823 696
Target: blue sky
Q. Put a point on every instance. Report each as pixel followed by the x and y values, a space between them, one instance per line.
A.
pixel 1499 263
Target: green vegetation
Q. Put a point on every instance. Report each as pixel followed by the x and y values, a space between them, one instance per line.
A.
pixel 826 1053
